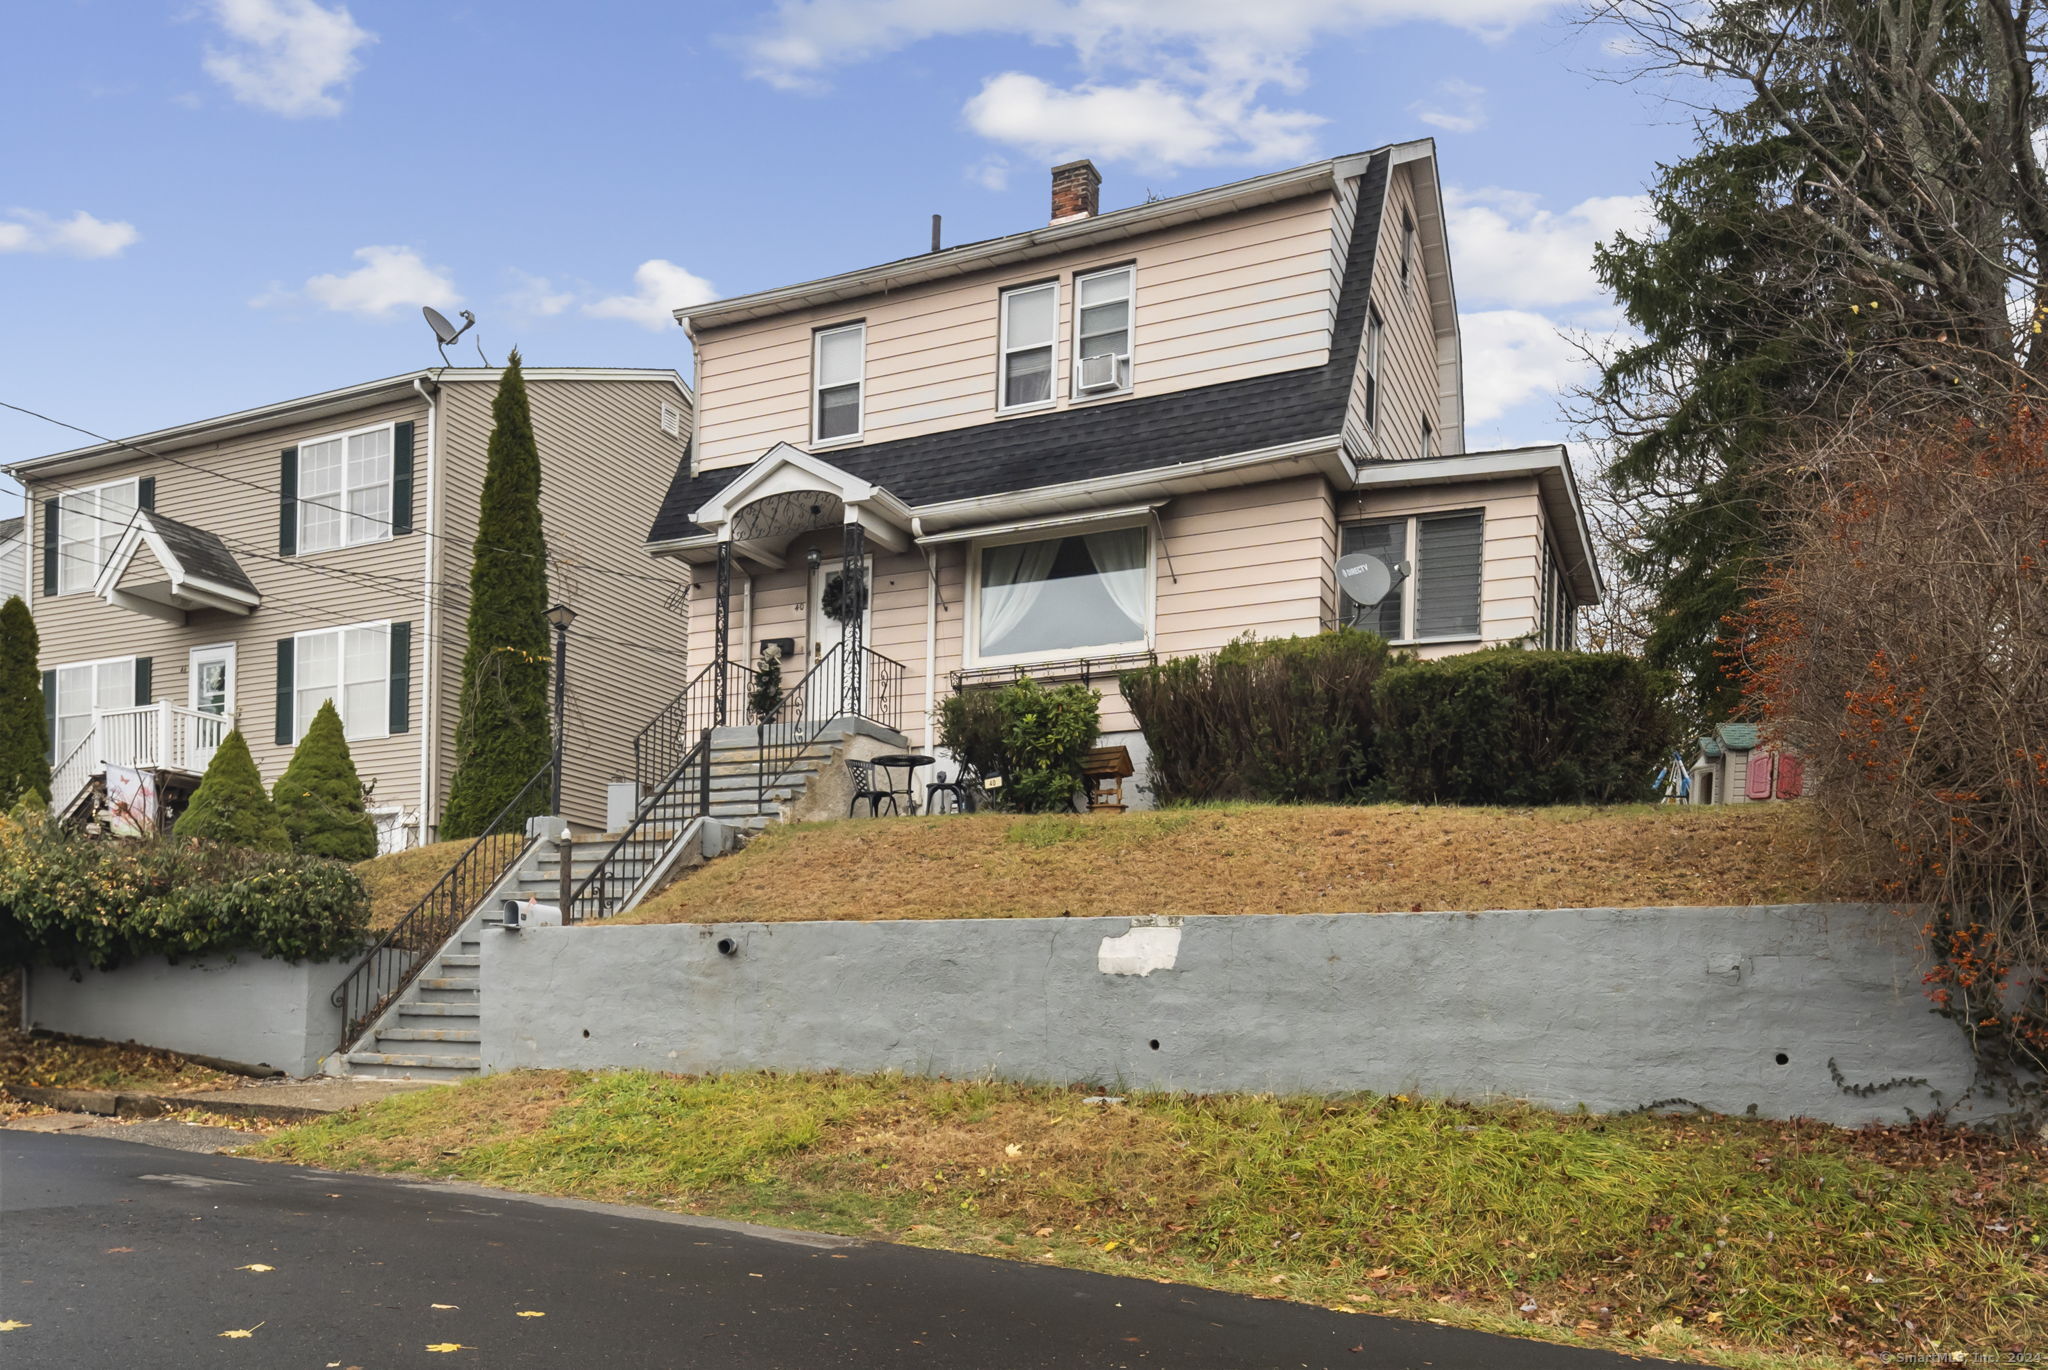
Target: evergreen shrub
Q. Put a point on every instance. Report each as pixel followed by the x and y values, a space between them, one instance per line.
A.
pixel 319 798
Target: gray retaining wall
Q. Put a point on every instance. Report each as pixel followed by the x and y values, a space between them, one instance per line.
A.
pixel 247 1009
pixel 1610 1009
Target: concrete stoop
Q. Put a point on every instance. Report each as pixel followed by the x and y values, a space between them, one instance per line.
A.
pixel 431 1032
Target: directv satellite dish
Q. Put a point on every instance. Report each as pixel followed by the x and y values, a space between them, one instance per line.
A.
pixel 444 331
pixel 1365 579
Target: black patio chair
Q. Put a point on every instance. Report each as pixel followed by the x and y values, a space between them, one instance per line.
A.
pixel 863 774
pixel 962 791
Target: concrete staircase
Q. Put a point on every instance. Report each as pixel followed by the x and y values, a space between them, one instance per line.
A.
pixel 432 1030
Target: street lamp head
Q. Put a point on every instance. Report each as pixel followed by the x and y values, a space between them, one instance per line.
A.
pixel 561 616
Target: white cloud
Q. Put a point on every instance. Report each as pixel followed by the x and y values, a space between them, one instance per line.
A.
pixel 1461 109
pixel 389 278
pixel 1507 249
pixel 1513 356
pixel 660 288
pixel 81 235
pixel 1147 123
pixel 990 173
pixel 537 296
pixel 291 57
pixel 1191 74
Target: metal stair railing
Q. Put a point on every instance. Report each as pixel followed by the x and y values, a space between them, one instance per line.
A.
pixel 671 735
pixel 815 703
pixel 398 956
pixel 660 820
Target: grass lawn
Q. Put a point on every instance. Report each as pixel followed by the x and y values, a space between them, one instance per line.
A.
pixel 1737 1242
pixel 400 880
pixel 1259 858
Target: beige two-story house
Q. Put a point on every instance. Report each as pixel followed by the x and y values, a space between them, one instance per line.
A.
pixel 1115 437
pixel 241 570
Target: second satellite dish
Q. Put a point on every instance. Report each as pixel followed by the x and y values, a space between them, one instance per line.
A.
pixel 1365 579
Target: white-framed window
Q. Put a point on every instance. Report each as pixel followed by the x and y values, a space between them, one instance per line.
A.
pixel 1555 628
pixel 1030 320
pixel 1102 328
pixel 84 686
pixel 1046 597
pixel 345 489
pixel 1426 443
pixel 1408 250
pixel 838 366
pixel 1439 600
pixel 1375 331
pixel 352 667
pixel 89 523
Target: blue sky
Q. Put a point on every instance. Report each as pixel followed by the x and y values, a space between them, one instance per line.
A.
pixel 212 204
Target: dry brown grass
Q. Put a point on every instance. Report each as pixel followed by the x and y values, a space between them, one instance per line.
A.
pixel 400 880
pixel 1260 859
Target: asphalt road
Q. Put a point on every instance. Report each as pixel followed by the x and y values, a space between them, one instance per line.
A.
pixel 120 1255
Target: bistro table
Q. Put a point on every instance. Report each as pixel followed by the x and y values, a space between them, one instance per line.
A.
pixel 908 763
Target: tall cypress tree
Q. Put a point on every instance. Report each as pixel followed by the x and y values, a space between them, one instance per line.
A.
pixel 504 733
pixel 24 728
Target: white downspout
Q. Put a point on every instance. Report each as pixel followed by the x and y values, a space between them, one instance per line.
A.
pixel 427 565
pixel 931 632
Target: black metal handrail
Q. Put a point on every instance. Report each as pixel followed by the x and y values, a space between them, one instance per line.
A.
pixel 398 956
pixel 658 821
pixel 659 748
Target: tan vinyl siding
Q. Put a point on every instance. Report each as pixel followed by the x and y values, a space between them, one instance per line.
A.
pixel 300 593
pixel 1409 372
pixel 14 564
pixel 605 465
pixel 1215 301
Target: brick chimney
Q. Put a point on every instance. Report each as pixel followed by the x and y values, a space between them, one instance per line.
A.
pixel 1076 191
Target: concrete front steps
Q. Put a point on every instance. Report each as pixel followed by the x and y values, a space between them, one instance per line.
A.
pixel 431 1031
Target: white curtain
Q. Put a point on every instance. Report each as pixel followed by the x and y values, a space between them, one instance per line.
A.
pixel 1013 579
pixel 1120 560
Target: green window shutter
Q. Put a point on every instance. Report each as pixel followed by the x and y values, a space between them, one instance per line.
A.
pixel 49 547
pixel 401 677
pixel 284 737
pixel 288 502
pixel 145 493
pixel 401 479
pixel 145 679
pixel 50 714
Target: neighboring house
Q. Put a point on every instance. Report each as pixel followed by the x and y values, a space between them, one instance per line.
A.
pixel 1122 436
pixel 1734 767
pixel 243 569
pixel 13 558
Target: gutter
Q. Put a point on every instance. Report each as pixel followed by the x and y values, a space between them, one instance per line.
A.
pixel 431 394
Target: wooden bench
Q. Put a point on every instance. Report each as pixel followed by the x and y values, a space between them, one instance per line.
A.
pixel 1106 769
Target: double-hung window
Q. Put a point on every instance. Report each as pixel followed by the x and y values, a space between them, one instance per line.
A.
pixel 838 362
pixel 1086 592
pixel 89 523
pixel 1030 318
pixel 1439 600
pixel 1555 628
pixel 1102 332
pixel 352 667
pixel 84 687
pixel 1375 330
pixel 1426 448
pixel 345 490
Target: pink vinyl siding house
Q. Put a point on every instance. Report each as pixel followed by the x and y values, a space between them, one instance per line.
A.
pixel 1123 436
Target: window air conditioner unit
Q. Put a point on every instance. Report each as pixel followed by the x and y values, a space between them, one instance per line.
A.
pixel 1103 371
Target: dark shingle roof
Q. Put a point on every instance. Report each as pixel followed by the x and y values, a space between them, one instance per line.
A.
pixel 1113 438
pixel 10 528
pixel 201 553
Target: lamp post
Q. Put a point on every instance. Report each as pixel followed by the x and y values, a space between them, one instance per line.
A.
pixel 560 617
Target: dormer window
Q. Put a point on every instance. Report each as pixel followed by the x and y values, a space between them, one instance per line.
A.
pixel 1102 332
pixel 838 363
pixel 1030 319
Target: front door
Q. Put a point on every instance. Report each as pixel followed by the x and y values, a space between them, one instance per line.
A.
pixel 212 692
pixel 827 631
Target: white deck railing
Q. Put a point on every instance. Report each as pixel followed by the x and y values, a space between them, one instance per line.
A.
pixel 148 737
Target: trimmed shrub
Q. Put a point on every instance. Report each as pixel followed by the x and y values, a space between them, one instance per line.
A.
pixel 1033 736
pixel 24 729
pixel 1506 726
pixel 69 901
pixel 1288 719
pixel 230 806
pixel 319 798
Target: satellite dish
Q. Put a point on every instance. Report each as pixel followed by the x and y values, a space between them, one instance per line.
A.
pixel 1364 578
pixel 445 331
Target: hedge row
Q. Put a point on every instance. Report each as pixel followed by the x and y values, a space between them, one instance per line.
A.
pixel 1340 717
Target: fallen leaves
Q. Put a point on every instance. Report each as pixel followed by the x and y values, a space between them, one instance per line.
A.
pixel 258 1268
pixel 238 1333
pixel 447 1346
pixel 444 1305
pixel 10 1325
pixel 528 1313
pixel 118 1251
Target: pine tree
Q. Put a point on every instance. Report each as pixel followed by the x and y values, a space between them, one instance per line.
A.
pixel 230 806
pixel 24 729
pixel 319 797
pixel 504 733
